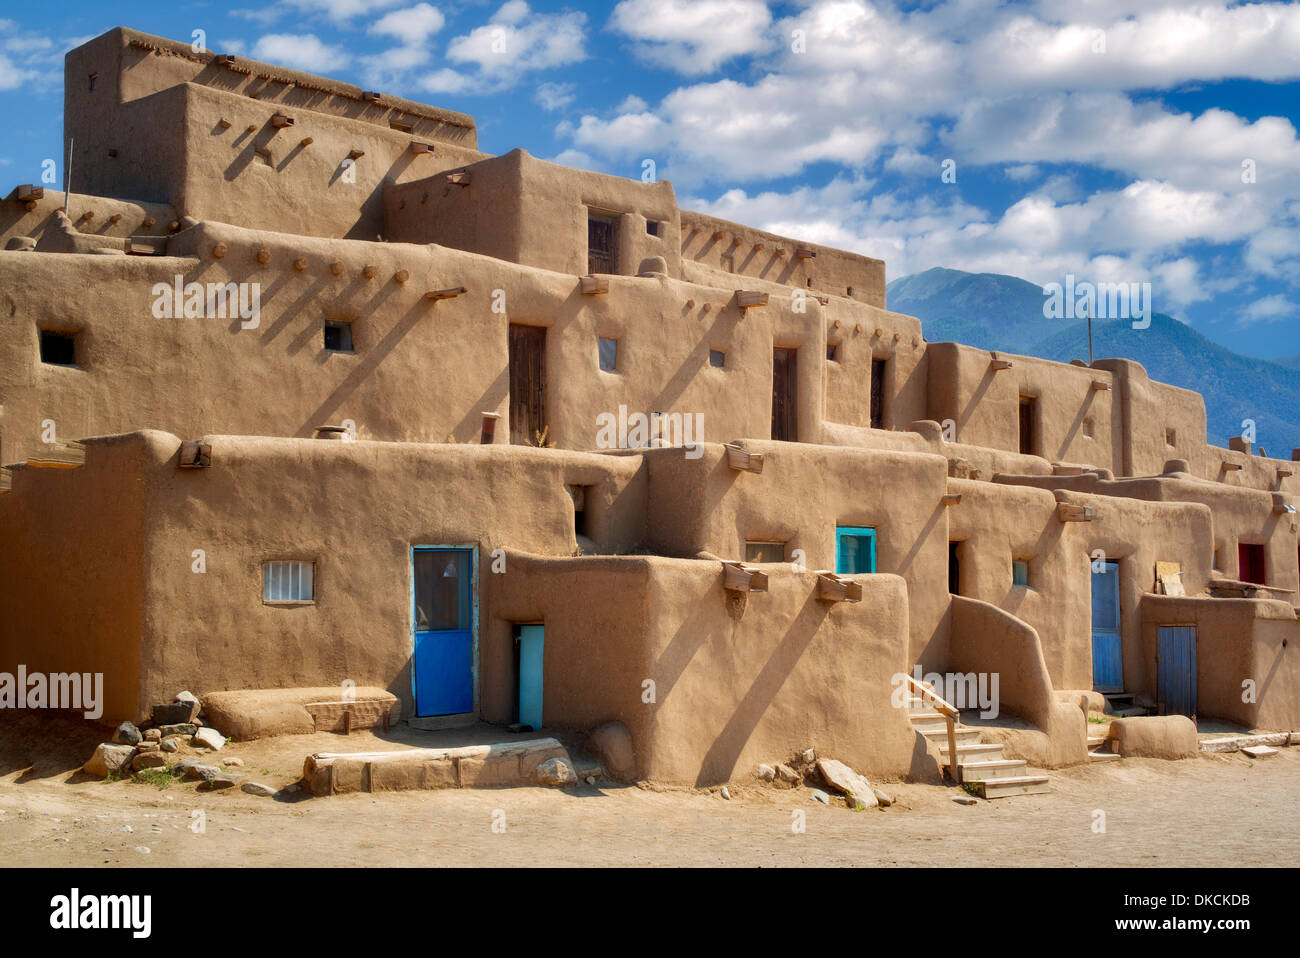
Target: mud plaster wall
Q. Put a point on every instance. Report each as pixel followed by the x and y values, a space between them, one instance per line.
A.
pixel 705 506
pixel 354 508
pixel 996 524
pixel 1236 640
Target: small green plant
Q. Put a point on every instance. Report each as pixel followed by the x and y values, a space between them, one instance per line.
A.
pixel 159 777
pixel 970 789
pixel 1097 721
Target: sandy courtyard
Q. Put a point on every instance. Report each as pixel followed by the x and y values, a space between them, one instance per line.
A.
pixel 1218 810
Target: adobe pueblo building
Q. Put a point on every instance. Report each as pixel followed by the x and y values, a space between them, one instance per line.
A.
pixel 305 390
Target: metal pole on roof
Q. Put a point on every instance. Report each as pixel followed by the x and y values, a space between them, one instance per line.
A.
pixel 1087 312
pixel 67 177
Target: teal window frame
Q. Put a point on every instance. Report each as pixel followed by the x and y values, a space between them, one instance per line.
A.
pixel 868 532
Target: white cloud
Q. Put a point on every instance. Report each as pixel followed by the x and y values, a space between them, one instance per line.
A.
pixel 554 96
pixel 632 104
pixel 1021 172
pixel 300 51
pixel 693 37
pixel 1268 309
pixel 412 25
pixel 517 40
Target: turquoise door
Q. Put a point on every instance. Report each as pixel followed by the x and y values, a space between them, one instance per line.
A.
pixel 1107 659
pixel 855 549
pixel 531 643
pixel 443 625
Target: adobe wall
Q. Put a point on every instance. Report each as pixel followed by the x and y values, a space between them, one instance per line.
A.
pixel 997 524
pixel 804 492
pixel 74 562
pixel 162 111
pixel 743 251
pixel 735 681
pixel 1236 640
pixel 91 215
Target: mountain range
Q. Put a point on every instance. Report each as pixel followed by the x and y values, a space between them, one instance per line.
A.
pixel 993 311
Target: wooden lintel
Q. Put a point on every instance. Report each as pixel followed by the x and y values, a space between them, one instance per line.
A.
pixel 444 293
pixel 63 454
pixel 195 455
pixel 747 298
pixel 952 499
pixel 1284 473
pixel 1072 512
pixel 742 460
pixel 1100 385
pixel 1231 466
pixel 740 578
pixel 458 179
pixel 280 121
pixel 592 285
pixel 29 192
pixel 1001 363
pixel 833 588
pixel 804 252
pixel 419 148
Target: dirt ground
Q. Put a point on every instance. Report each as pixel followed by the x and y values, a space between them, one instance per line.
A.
pixel 1216 810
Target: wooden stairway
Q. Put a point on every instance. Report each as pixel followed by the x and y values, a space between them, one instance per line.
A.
pixel 982 765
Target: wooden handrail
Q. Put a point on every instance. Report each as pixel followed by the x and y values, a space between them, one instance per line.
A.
pixel 950 716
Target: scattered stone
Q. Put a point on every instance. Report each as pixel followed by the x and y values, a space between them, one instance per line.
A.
pixel 145 760
pixel 200 772
pixel 965 799
pixel 725 794
pixel 765 773
pixel 883 797
pixel 591 779
pixel 107 759
pixel 175 713
pixel 222 780
pixel 61 840
pixel 232 762
pixel 170 745
pixel 186 697
pixel 819 796
pixel 186 728
pixel 147 746
pixel 556 772
pixel 127 734
pixel 185 764
pixel 142 849
pixel 257 788
pixel 208 738
pixel 787 776
pixel 808 757
pixel 1259 751
pixel 843 779
pixel 127 828
pixel 152 735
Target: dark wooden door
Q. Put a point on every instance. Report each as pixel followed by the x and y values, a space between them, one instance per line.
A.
pixel 878 393
pixel 600 245
pixel 1250 563
pixel 784 396
pixel 1028 441
pixel 527 383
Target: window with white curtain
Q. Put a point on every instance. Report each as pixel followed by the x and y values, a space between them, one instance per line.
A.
pixel 289 581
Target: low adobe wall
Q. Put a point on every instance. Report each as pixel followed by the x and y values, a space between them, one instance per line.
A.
pixel 985 639
pixel 733 681
pixel 1237 640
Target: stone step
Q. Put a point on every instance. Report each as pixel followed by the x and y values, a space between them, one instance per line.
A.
pixel 1119 699
pixel 1103 757
pixel 1016 785
pixel 974 753
pixel 927 720
pixel 997 768
pixel 1096 741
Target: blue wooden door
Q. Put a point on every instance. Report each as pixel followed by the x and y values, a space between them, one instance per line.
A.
pixel 855 549
pixel 1176 670
pixel 1107 660
pixel 444 637
pixel 531 643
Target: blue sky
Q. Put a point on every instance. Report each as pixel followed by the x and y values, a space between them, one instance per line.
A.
pixel 1116 140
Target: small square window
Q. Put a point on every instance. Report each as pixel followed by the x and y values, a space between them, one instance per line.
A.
pixel 1087 428
pixel 717 358
pixel 1171 437
pixel 764 551
pixel 338 337
pixel 291 581
pixel 1020 572
pixel 832 352
pixel 58 349
pixel 652 227
pixel 608 354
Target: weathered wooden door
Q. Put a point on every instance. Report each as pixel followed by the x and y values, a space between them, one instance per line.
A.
pixel 443 660
pixel 784 395
pixel 1107 658
pixel 600 244
pixel 527 383
pixel 1176 670
pixel 532 644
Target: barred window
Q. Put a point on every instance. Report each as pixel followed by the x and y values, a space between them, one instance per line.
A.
pixel 292 581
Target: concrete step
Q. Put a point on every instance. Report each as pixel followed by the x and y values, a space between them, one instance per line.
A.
pixel 964 736
pixel 974 753
pixel 998 768
pixel 1016 785
pixel 1103 757
pixel 1096 741
pixel 926 720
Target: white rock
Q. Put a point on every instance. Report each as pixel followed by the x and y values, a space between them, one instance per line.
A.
pixel 109 758
pixel 1259 751
pixel 556 772
pixel 765 773
pixel 725 794
pixel 843 779
pixel 208 738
